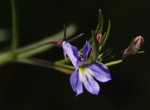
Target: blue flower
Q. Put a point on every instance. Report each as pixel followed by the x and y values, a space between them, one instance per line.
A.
pixel 85 72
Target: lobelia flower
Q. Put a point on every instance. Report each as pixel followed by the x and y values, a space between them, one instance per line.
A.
pixel 84 73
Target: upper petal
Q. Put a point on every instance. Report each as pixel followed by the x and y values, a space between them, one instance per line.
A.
pixel 76 83
pixel 72 52
pixel 99 71
pixel 86 50
pixel 90 84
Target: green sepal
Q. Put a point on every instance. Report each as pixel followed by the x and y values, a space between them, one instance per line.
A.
pixel 99 27
pixel 95 47
pixel 105 37
pixel 140 52
pixel 101 43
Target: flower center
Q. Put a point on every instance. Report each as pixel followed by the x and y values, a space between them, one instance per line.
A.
pixel 82 72
pixel 82 68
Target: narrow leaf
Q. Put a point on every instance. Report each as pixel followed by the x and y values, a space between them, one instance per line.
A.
pixel 76 37
pixel 113 63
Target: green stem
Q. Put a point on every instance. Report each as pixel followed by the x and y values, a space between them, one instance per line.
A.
pixel 38 62
pixel 28 51
pixel 14 28
pixel 5 58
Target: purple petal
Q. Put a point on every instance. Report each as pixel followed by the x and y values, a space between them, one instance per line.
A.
pixel 72 52
pixel 76 83
pixel 90 84
pixel 100 72
pixel 86 50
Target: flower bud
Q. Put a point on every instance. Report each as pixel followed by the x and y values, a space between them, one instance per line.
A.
pixel 99 37
pixel 134 46
pixel 138 42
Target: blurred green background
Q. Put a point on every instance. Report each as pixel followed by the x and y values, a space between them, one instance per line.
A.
pixel 26 87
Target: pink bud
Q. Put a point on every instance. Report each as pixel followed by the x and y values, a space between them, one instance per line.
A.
pixel 134 46
pixel 99 37
pixel 138 42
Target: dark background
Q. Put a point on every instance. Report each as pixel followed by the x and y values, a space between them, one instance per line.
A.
pixel 26 87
